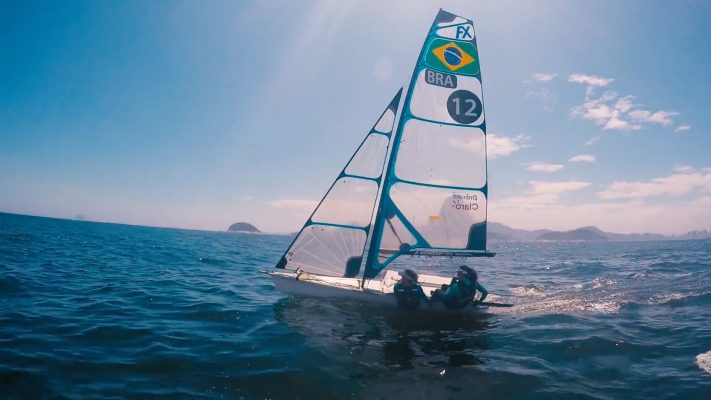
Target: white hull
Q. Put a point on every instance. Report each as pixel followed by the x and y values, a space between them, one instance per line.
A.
pixel 378 292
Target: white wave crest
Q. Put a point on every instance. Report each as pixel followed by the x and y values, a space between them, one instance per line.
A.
pixel 666 298
pixel 528 291
pixel 569 306
pixel 600 282
pixel 703 360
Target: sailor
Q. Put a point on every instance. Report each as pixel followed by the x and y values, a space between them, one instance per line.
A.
pixel 408 292
pixel 461 292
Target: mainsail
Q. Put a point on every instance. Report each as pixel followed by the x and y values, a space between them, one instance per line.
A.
pixel 332 241
pixel 435 187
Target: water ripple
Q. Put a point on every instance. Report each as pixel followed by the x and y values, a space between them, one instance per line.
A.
pixel 110 311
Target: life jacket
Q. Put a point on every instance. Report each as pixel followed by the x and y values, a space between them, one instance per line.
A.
pixel 467 292
pixel 408 297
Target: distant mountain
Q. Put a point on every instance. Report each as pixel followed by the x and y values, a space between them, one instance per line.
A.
pixel 501 232
pixel 497 232
pixel 243 227
pixel 638 237
pixel 586 234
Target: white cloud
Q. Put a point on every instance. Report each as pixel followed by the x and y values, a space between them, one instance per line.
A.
pixel 595 111
pixel 603 114
pixel 632 216
pixel 383 69
pixel 682 168
pixel 662 117
pixel 639 115
pixel 588 158
pixel 293 204
pixel 616 123
pixel 624 104
pixel 547 99
pixel 624 115
pixel 541 194
pixel 556 188
pixel 682 128
pixel 592 140
pixel 541 207
pixel 502 146
pixel 544 77
pixel 543 167
pixel 659 117
pixel 684 181
pixel 590 80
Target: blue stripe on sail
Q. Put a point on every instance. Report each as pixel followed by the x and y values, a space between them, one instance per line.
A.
pixel 415 233
pixel 422 66
pixel 362 228
pixel 365 178
pixel 394 180
pixel 411 116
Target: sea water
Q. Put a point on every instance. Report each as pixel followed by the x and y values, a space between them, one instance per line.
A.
pixel 91 310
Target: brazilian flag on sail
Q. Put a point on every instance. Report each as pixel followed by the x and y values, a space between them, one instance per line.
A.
pixel 452 56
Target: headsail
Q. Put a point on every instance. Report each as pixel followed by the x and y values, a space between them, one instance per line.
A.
pixel 435 187
pixel 333 239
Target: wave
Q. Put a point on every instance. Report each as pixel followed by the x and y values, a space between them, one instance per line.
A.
pixel 528 290
pixel 674 298
pixel 703 360
pixel 10 285
pixel 573 305
pixel 668 298
pixel 18 384
pixel 598 283
pixel 112 333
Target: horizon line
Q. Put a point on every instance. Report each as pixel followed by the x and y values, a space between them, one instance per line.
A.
pixel 291 232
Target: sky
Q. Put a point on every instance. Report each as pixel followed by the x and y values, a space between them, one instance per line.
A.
pixel 201 114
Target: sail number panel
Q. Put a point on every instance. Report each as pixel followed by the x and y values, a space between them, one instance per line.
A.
pixel 464 106
pixel 434 102
pixel 440 79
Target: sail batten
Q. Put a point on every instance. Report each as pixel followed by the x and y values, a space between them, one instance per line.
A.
pixel 482 189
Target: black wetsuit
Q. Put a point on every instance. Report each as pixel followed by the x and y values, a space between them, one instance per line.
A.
pixel 409 296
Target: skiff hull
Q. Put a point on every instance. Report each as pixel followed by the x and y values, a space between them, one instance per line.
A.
pixel 376 292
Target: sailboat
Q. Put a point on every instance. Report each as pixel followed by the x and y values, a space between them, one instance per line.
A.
pixel 415 188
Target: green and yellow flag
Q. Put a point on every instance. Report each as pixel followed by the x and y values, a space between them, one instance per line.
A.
pixel 452 56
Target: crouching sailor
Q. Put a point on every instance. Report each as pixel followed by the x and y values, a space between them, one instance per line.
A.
pixel 461 292
pixel 408 292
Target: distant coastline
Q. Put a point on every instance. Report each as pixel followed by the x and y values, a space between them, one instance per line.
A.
pixel 496 232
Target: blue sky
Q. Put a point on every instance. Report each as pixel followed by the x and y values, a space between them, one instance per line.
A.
pixel 197 115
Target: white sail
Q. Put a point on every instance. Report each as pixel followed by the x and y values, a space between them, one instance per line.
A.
pixel 333 240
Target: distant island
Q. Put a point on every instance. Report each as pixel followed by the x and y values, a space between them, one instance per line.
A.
pixel 243 227
pixel 497 232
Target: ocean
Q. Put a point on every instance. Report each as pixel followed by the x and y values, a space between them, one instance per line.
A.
pixel 94 310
